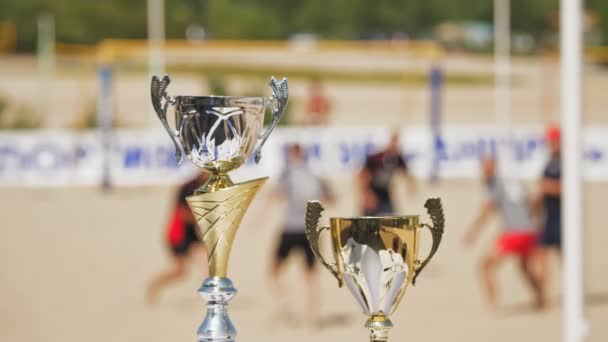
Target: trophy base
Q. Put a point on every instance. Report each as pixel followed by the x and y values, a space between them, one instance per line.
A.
pixel 216 326
pixel 379 325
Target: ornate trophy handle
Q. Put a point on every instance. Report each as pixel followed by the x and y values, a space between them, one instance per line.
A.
pixel 313 232
pixel 277 104
pixel 435 210
pixel 158 93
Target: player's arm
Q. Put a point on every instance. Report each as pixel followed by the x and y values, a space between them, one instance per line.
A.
pixel 182 204
pixel 369 199
pixel 536 204
pixel 189 216
pixel 409 178
pixel 480 221
pixel 551 186
pixel 278 191
pixel 365 177
pixel 411 182
pixel 328 195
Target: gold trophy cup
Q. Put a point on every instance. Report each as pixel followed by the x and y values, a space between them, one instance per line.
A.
pixel 376 257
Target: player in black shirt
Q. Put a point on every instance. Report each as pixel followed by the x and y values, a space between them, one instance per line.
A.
pixel 550 238
pixel 182 239
pixel 551 191
pixel 376 176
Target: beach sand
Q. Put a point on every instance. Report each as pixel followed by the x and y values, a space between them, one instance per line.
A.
pixel 75 263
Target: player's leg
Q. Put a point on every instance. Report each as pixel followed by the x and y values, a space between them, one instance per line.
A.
pixel 276 270
pixel 526 265
pixel 542 260
pixel 176 271
pixel 488 267
pixel 280 257
pixel 549 240
pixel 312 282
pixel 198 254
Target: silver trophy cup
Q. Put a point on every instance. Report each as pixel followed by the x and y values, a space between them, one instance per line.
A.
pixel 218 134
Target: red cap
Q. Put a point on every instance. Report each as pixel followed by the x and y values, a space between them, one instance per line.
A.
pixel 553 133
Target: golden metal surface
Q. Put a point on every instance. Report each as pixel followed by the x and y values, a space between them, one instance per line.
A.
pixel 218 213
pixel 397 236
pixel 376 257
pixel 215 182
pixel 313 233
pixel 379 326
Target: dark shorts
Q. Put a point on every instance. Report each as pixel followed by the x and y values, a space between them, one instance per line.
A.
pixel 190 238
pixel 295 241
pixel 551 235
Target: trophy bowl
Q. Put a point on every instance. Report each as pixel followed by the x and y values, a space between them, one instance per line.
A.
pixel 218 133
pixel 376 257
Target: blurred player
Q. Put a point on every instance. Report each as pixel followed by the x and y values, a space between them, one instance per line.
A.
pixel 183 241
pixel 318 104
pixel 518 237
pixel 297 185
pixel 376 176
pixel 550 200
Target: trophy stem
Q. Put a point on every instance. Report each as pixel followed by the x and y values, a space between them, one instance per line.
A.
pixel 218 214
pixel 216 326
pixel 215 182
pixel 379 325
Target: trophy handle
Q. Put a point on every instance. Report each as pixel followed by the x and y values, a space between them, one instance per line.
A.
pixel 313 232
pixel 158 94
pixel 435 210
pixel 277 104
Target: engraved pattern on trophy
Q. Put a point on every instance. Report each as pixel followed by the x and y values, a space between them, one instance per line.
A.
pixel 219 133
pixel 218 218
pixel 215 135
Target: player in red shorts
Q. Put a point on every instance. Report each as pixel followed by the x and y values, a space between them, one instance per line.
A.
pixel 182 239
pixel 518 237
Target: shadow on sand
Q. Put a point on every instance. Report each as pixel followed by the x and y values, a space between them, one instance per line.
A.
pixel 334 320
pixel 591 299
pixel 321 323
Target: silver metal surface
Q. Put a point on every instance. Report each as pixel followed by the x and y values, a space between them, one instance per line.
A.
pixel 216 326
pixel 373 261
pixel 277 104
pixel 218 133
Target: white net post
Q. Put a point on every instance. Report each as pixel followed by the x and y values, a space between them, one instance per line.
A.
pixel 572 223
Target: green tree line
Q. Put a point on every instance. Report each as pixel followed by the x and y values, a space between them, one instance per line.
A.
pixel 88 22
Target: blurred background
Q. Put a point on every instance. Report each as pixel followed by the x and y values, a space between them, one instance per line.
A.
pixel 88 179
